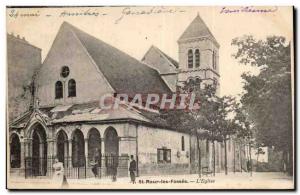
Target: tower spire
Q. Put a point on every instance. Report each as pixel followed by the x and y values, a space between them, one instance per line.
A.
pixel 197 29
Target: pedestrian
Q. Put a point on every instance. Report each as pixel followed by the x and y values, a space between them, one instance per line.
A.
pixel 95 163
pixel 132 169
pixel 248 166
pixel 115 163
pixel 58 176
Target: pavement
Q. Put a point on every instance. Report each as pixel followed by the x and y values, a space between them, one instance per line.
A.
pixel 258 180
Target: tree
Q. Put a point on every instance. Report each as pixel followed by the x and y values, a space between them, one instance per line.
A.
pixel 224 125
pixel 211 118
pixel 267 96
pixel 244 132
pixel 191 121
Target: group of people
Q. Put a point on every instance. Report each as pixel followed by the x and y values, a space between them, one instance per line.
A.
pixel 60 179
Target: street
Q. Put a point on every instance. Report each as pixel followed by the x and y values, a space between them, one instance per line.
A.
pixel 259 180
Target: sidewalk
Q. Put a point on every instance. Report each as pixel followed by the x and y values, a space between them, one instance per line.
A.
pixel 220 181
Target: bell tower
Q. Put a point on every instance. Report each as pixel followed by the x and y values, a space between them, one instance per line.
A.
pixel 198 55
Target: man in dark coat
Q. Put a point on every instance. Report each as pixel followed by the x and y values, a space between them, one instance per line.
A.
pixel 95 163
pixel 132 169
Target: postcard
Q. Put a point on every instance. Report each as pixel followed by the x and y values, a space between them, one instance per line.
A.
pixel 153 97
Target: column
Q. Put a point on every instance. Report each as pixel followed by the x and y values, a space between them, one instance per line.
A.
pixel 86 149
pixel 102 146
pixel 42 158
pixel 70 153
pixel 25 151
pixel 102 155
pixel 27 154
pixel 28 147
pixel 22 157
pixel 54 147
pixel 50 148
pixel 51 154
pixel 66 153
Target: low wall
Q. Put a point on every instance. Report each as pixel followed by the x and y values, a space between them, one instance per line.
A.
pixel 163 169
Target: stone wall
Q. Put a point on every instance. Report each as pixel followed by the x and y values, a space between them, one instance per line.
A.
pixel 23 60
pixel 68 51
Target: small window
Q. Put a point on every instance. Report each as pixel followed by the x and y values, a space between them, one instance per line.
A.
pixel 197 58
pixel 214 59
pixel 72 88
pixel 163 155
pixel 58 90
pixel 167 155
pixel 160 155
pixel 190 59
pixel 182 143
pixel 65 71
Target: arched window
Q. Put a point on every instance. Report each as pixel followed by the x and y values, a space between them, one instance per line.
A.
pixel 190 59
pixel 58 90
pixel 182 143
pixel 197 58
pixel 214 59
pixel 72 88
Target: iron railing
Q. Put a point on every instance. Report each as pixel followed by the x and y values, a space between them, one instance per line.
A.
pixel 79 168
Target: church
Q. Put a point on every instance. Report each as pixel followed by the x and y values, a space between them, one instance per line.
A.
pixel 66 122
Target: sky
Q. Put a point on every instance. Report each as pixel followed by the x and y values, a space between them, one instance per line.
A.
pixel 133 32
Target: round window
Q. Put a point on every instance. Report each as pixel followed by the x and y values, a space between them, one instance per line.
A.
pixel 65 71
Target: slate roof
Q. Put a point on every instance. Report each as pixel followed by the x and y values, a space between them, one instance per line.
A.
pixel 124 73
pixel 196 29
pixel 91 111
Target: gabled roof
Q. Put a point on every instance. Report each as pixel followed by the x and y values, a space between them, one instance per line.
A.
pixel 171 60
pixel 24 120
pixel 124 73
pixel 196 29
pixel 168 65
pixel 21 120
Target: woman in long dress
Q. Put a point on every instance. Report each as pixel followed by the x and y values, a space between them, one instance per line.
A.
pixel 58 175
